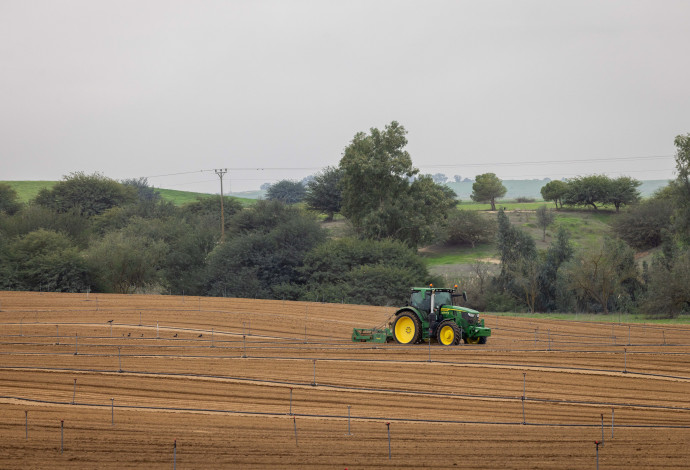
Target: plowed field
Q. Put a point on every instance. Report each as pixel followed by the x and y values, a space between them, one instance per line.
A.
pixel 108 381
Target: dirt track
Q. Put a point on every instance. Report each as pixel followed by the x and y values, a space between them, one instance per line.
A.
pixel 218 376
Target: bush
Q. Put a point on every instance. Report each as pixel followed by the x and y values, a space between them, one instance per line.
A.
pixel 469 228
pixel 643 225
pixel 524 199
pixel 362 271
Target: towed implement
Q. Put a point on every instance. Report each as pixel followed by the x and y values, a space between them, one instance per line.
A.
pixel 429 315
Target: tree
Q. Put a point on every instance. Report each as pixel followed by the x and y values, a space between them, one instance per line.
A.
pixel 457 178
pixel 324 193
pixel 469 228
pixel 513 244
pixel 487 188
pixel 44 260
pixel 525 279
pixel 289 192
pixel 86 195
pixel 380 197
pixel 206 211
pixel 9 203
pixel 601 274
pixel 623 191
pixel 144 191
pixel 376 169
pixel 588 191
pixel 550 281
pixel 362 271
pixel 554 191
pixel 544 219
pixel 439 178
pixel 125 262
pixel 668 288
pixel 643 225
pixel 264 252
pixel 681 185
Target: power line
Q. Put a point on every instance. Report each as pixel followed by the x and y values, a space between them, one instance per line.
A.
pixel 455 165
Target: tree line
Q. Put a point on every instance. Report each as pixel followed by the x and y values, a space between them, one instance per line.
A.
pixel 605 278
pixel 92 232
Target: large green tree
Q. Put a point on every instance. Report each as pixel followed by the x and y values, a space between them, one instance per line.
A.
pixel 287 191
pixel 362 271
pixel 43 260
pixel 593 190
pixel 487 188
pixel 380 197
pixel 324 193
pixel 125 261
pixel 86 195
pixel 554 191
pixel 264 251
pixel 623 192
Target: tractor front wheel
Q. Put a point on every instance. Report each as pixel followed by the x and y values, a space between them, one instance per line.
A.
pixel 473 340
pixel 447 333
pixel 406 328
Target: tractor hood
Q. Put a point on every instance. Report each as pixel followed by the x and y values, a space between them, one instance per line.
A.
pixel 460 309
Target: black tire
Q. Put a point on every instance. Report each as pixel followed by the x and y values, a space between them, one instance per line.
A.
pixel 447 333
pixel 407 329
pixel 482 340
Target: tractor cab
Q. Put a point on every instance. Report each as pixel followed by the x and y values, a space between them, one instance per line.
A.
pixel 430 300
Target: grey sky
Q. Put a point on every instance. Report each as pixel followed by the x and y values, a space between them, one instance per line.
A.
pixel 154 87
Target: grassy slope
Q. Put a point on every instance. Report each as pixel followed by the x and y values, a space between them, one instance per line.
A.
pixel 27 190
pixel 587 229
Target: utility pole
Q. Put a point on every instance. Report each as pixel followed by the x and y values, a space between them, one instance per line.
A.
pixel 220 172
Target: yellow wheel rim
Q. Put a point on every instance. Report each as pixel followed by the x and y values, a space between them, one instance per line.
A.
pixel 473 340
pixel 446 335
pixel 404 330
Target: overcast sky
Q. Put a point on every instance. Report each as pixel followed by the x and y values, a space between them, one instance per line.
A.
pixel 524 89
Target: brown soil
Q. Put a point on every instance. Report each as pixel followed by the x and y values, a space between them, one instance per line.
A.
pixel 217 375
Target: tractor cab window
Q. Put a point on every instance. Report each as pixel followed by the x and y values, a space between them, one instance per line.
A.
pixel 443 298
pixel 421 301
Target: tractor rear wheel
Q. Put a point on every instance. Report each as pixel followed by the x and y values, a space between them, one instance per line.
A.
pixel 407 328
pixel 447 333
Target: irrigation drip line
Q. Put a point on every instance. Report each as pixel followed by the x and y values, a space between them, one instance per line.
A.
pixel 590 322
pixel 309 385
pixel 328 416
pixel 283 346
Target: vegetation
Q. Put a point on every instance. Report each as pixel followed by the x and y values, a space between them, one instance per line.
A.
pixel 89 231
pixel 289 192
pixel 324 193
pixel 381 195
pixel 487 188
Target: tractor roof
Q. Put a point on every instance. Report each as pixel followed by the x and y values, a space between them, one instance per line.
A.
pixel 433 289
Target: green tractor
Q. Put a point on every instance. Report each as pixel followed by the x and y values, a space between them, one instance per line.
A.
pixel 430 315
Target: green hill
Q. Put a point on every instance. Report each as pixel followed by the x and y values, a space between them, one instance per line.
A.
pixel 27 190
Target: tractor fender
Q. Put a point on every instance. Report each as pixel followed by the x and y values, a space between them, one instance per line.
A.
pixel 421 315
